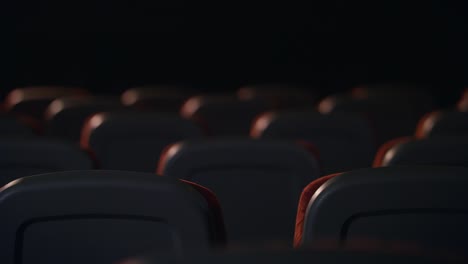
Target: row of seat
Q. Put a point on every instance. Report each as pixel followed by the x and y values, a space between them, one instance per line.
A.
pixel 106 216
pixel 166 98
pixel 253 179
pixel 135 141
pixel 392 112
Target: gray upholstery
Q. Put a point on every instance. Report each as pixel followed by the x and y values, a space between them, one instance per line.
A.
pixel 443 151
pixel 101 217
pixel 28 156
pixel 344 141
pixel 415 205
pixel 444 123
pixel 134 141
pixel 257 182
pixel 391 115
pixel 65 116
pixel 223 115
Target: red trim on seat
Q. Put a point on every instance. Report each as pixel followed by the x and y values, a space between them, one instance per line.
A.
pixel 260 123
pixel 379 157
pixel 86 131
pixel 420 130
pixel 165 156
pixel 306 195
pixel 215 207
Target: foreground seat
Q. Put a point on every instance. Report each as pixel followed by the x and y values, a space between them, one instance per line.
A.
pixel 65 116
pixel 133 141
pixel 443 151
pixel 257 182
pixel 419 205
pixel 104 216
pixel 344 141
pixel 222 115
pixel 28 156
pixel 33 101
pixel 443 123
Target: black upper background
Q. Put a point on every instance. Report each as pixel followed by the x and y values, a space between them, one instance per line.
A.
pixel 108 46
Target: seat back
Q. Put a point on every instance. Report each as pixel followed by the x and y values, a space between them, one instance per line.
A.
pixel 443 123
pixel 416 205
pixel 133 141
pixel 391 116
pixel 101 217
pixel 223 115
pixel 443 151
pixel 29 156
pixel 161 98
pixel 257 182
pixel 344 141
pixel 65 116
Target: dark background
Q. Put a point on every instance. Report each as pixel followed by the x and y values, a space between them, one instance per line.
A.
pixel 108 46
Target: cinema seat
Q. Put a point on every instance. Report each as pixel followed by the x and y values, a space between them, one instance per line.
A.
pixel 222 115
pixel 443 151
pixel 443 123
pixel 161 98
pixel 258 182
pixel 103 216
pixel 421 205
pixel 133 141
pixel 28 156
pixel 391 116
pixel 344 141
pixel 33 101
pixel 65 116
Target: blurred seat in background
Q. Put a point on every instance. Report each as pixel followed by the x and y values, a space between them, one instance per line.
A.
pixel 443 123
pixel 344 141
pixel 161 98
pixel 33 101
pixel 416 205
pixel 223 115
pixel 257 182
pixel 134 141
pixel 393 112
pixel 104 216
pixel 65 116
pixel 28 156
pixel 280 96
pixel 443 151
